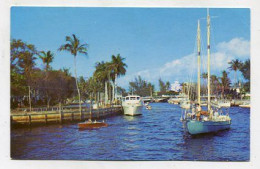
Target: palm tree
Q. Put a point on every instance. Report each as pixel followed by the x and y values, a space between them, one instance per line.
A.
pixel 214 83
pixel 167 86
pixel 235 65
pixel 102 74
pixel 47 58
pixel 66 71
pixel 74 46
pixel 225 82
pixel 118 68
pixel 204 77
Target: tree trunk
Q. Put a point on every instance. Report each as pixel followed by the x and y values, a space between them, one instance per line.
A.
pixel 109 92
pixel 235 79
pixel 48 102
pixel 75 69
pixel 115 90
pixel 98 99
pixel 109 89
pixel 222 92
pixel 30 103
pixel 106 95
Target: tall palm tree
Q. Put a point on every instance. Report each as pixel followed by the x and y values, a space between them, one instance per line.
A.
pixel 74 46
pixel 102 74
pixel 118 68
pixel 235 65
pixel 47 58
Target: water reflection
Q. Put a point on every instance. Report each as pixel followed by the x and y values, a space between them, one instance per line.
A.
pixel 131 118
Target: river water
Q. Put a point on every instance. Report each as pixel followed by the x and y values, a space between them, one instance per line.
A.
pixel 156 135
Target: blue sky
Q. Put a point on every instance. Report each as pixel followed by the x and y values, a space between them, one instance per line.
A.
pixel 156 42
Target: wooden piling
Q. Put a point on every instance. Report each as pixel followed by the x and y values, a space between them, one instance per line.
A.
pixel 45 118
pixel 30 119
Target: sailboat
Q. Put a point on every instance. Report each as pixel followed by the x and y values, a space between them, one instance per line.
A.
pixel 210 120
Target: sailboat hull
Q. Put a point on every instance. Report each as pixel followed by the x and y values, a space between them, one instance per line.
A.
pixel 199 127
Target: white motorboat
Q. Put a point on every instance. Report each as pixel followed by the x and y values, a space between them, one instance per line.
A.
pixel 221 103
pixel 132 105
pixel 177 99
pixel 174 100
pixel 245 105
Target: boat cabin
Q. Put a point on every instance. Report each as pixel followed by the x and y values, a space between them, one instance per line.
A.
pixel 132 98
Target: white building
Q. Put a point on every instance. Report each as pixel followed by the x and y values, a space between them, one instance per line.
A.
pixel 176 86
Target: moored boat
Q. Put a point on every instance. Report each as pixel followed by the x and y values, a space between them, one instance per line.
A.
pixel 148 107
pixel 132 105
pixel 245 105
pixel 210 120
pixel 91 124
pixel 200 127
pixel 222 103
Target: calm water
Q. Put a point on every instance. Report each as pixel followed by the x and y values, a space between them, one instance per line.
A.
pixel 156 135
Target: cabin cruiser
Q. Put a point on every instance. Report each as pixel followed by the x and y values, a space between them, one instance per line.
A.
pixel 132 105
pixel 221 103
pixel 245 104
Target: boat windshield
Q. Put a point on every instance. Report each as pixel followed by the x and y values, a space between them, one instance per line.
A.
pixel 132 98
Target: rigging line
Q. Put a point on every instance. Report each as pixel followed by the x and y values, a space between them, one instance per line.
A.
pixel 191 75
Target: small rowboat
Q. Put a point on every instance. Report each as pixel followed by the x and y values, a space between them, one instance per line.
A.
pixel 91 124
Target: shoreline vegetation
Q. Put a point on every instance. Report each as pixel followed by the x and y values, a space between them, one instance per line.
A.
pixel 33 87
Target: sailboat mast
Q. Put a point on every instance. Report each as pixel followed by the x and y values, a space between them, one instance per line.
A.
pixel 208 46
pixel 198 45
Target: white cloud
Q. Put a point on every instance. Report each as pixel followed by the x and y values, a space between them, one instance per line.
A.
pixel 180 66
pixel 237 47
pixel 185 68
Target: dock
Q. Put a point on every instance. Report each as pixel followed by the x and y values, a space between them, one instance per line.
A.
pixel 62 116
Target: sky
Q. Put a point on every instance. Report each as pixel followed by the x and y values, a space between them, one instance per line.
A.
pixel 156 42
